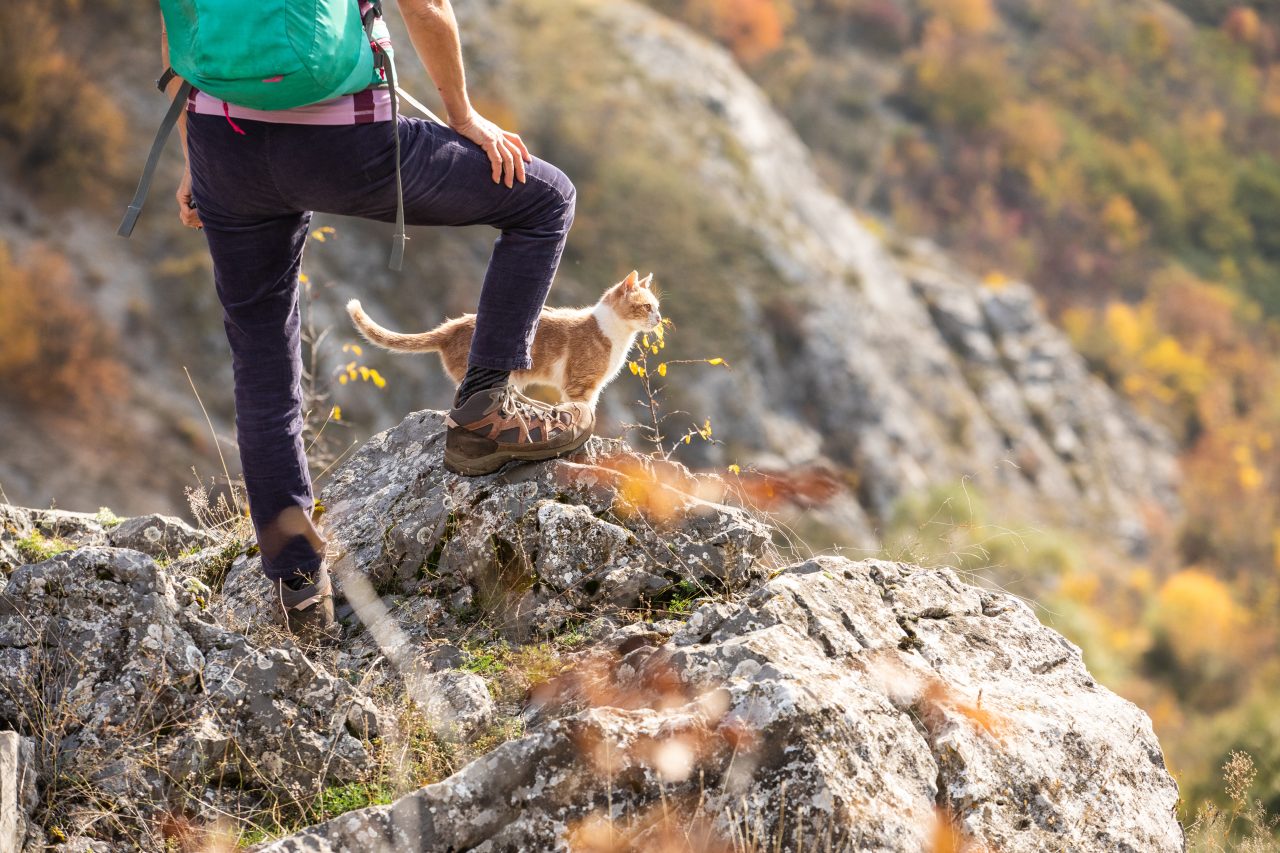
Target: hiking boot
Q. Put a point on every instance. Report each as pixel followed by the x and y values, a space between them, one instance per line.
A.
pixel 497 426
pixel 309 610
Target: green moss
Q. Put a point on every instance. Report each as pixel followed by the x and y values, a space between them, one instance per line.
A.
pixel 36 548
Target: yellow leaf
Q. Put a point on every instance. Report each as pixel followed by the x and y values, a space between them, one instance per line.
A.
pixel 645 340
pixel 643 372
pixel 662 369
pixel 1250 478
pixel 318 236
pixel 715 361
pixel 342 380
pixel 660 331
pixel 655 350
pixel 357 349
pixel 351 365
pixel 304 278
pixel 337 413
pixel 688 438
pixel 734 469
pixel 635 369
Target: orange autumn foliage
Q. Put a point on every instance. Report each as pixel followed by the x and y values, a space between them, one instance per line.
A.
pixel 752 29
pixel 54 353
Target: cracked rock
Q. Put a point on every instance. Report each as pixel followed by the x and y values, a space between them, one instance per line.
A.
pixel 542 543
pixel 148 703
pixel 800 716
pixel 159 536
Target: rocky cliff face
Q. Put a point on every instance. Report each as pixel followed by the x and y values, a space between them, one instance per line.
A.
pixel 704 691
pixel 850 347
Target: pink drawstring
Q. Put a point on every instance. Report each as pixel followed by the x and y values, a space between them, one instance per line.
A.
pixel 226 111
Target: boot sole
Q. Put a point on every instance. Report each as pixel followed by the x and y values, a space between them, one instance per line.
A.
pixel 480 466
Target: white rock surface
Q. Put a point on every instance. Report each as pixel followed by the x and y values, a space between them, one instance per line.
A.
pixel 17 792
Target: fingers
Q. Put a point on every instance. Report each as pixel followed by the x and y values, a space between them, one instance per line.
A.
pixel 518 152
pixel 503 159
pixel 509 159
pixel 507 154
pixel 492 148
pixel 515 139
pixel 519 164
pixel 187 212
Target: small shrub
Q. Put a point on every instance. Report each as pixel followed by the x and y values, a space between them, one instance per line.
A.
pixel 1245 826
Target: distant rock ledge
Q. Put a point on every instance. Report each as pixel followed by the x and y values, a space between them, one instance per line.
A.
pixel 718 697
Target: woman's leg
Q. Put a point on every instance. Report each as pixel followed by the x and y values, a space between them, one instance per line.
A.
pixel 448 181
pixel 256 242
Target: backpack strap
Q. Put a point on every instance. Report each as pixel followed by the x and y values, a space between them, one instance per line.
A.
pixel 153 159
pixel 385 63
pixel 397 246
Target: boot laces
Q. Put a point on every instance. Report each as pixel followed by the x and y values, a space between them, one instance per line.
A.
pixel 515 405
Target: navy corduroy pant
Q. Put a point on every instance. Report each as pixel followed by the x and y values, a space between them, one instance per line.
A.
pixel 256 191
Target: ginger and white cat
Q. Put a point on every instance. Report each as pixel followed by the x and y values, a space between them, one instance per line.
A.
pixel 575 350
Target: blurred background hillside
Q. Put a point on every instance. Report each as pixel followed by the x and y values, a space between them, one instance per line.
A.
pixel 1006 271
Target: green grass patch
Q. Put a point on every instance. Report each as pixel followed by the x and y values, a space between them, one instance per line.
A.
pixel 36 548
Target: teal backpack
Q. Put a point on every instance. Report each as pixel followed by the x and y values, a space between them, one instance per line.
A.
pixel 273 55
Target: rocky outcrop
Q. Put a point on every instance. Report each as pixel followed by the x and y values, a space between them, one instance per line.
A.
pixel 544 542
pixel 159 536
pixel 840 706
pixel 28 533
pixel 111 664
pixel 710 694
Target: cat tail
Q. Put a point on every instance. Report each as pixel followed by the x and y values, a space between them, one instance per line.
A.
pixel 378 336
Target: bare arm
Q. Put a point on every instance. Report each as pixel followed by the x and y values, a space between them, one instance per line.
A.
pixel 433 29
pixel 186 206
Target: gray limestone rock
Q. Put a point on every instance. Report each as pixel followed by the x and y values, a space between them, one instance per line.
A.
pixel 147 702
pixel 159 536
pixel 541 543
pixel 838 707
pixel 75 528
pixel 17 793
pixel 456 704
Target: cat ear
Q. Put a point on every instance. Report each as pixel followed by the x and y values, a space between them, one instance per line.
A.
pixel 646 281
pixel 632 279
